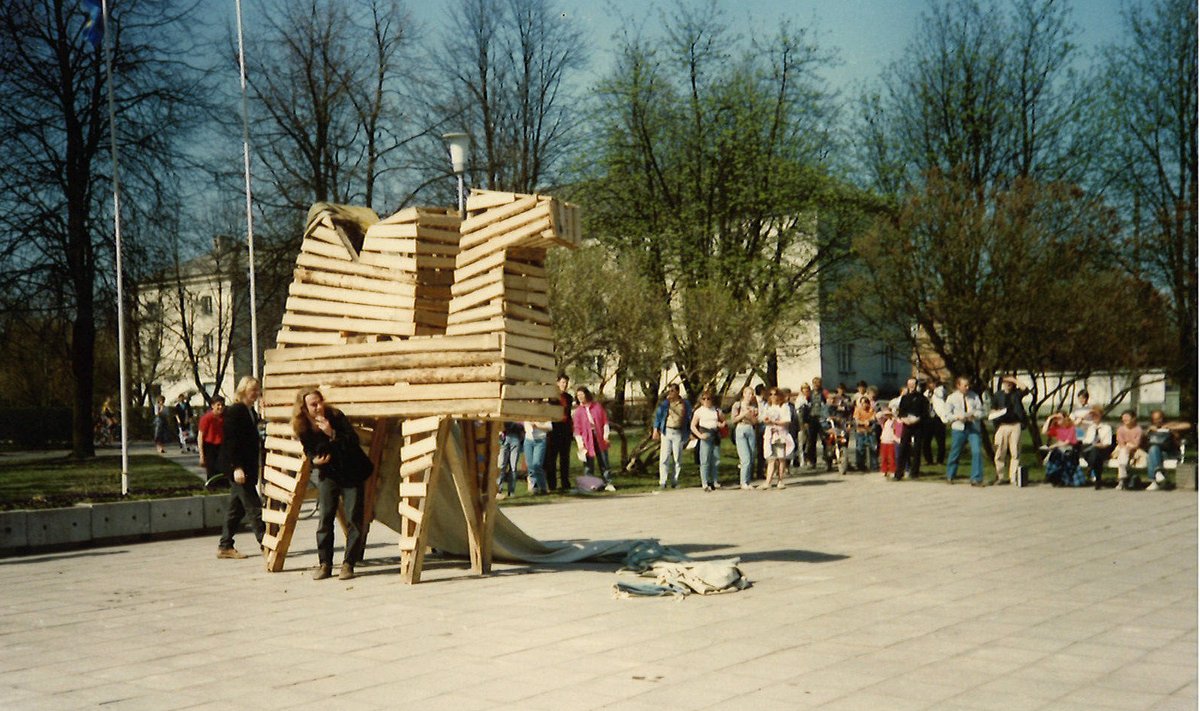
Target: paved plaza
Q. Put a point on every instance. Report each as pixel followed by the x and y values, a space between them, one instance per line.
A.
pixel 867 595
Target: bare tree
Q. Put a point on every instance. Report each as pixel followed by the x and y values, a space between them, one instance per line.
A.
pixel 54 171
pixel 1151 164
pixel 510 65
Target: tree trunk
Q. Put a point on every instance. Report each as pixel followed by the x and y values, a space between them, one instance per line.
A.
pixel 772 377
pixel 83 343
pixel 618 406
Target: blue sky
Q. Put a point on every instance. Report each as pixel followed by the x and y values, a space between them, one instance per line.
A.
pixel 866 34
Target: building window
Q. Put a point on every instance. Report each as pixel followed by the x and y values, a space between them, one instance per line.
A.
pixel 845 358
pixel 206 305
pixel 891 362
pixel 208 342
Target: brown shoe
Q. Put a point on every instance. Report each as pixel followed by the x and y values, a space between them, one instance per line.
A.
pixel 322 571
pixel 347 572
pixel 231 553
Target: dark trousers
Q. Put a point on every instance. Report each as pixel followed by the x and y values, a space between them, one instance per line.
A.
pixel 810 444
pixel 243 502
pixel 558 456
pixel 328 494
pixel 909 451
pixel 1096 457
pixel 935 431
pixel 211 453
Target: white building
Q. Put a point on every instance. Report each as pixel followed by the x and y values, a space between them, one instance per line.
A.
pixel 192 325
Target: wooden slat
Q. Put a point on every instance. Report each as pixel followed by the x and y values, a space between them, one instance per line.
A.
pixel 487 278
pixel 496 214
pixel 479 296
pixel 529 392
pixel 491 310
pixel 501 243
pixel 415 466
pixel 409 512
pixel 284 445
pixel 473 408
pixel 537 345
pixel 274 516
pixel 284 463
pixel 355 325
pixel 277 493
pixel 283 481
pixel 412 345
pixel 412 489
pixel 270 542
pixel 361 268
pixel 408 543
pixel 479 267
pixel 353 296
pixel 525 313
pixel 421 424
pixel 486 199
pixel 519 410
pixel 393 361
pixel 528 373
pixel 308 338
pixel 497 223
pixel 419 448
pixel 387 232
pixel 411 247
pixel 471 374
pixel 536 360
pixel 406 392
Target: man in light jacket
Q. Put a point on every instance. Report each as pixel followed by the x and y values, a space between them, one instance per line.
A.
pixel 964 411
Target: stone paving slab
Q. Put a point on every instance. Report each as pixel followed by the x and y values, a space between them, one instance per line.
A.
pixel 867 595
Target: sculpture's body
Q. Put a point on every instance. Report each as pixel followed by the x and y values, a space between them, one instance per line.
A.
pixel 427 331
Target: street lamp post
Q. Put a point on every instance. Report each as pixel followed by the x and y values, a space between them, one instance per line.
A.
pixel 458 144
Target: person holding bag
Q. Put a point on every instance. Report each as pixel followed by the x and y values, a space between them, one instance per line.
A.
pixel 707 424
pixel 591 436
pixel 331 444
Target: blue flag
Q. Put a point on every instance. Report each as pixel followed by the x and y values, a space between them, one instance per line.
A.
pixel 93 26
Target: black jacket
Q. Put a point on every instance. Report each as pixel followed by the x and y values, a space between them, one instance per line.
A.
pixel 348 465
pixel 242 446
pixel 1011 402
pixel 914 404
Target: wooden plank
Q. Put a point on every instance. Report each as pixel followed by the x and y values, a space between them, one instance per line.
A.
pixel 524 391
pixel 286 445
pixel 470 328
pixel 500 243
pixel 419 448
pixel 422 424
pixel 528 373
pixel 302 305
pixel 277 493
pixel 527 298
pixel 487 199
pixel 410 512
pixel 537 345
pixel 412 345
pixel 355 296
pixel 280 479
pixel 353 325
pixel 479 296
pixel 323 231
pixel 472 408
pixel 523 357
pixel 487 278
pixel 279 429
pixel 510 218
pixel 284 463
pixel 495 214
pixel 489 497
pixel 524 313
pixel 412 247
pixel 416 466
pixel 324 249
pixel 274 516
pixel 307 338
pixel 360 268
pixel 404 391
pixel 270 542
pixel 412 489
pixel 394 361
pixel 407 544
pixel 436 216
pixel 463 466
pixel 407 264
pixel 281 541
pixel 474 374
pixel 491 310
pixel 521 410
pixel 387 232
pixel 479 267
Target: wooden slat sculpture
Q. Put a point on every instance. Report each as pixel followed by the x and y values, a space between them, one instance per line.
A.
pixel 428 331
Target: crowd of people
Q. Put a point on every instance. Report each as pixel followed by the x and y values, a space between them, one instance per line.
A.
pixel 777 430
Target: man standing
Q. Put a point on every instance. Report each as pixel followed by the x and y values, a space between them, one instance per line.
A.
pixel 212 433
pixel 1009 414
pixel 964 410
pixel 239 460
pixel 935 427
pixel 183 417
pixel 558 443
pixel 912 410
pixel 672 420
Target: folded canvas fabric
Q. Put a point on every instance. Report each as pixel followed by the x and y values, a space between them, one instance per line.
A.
pixel 676 574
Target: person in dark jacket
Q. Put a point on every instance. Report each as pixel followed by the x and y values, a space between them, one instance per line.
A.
pixel 1008 414
pixel 332 445
pixel 913 411
pixel 558 444
pixel 239 461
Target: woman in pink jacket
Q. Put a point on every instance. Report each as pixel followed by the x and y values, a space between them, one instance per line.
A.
pixel 591 435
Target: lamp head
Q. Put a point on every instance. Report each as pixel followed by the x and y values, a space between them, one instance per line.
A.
pixel 458 143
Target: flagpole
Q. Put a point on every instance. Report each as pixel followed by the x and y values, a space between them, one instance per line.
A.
pixel 249 204
pixel 112 133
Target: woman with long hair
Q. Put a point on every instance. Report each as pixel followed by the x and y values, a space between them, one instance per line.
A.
pixel 331 444
pixel 591 435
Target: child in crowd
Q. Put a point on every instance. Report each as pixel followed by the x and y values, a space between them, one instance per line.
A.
pixel 889 437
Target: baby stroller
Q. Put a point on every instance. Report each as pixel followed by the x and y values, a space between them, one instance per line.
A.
pixel 835 435
pixel 187 439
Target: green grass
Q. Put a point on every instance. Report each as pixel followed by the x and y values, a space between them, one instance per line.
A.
pixel 61 481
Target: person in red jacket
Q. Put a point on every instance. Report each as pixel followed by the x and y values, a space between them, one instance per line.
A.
pixel 212 434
